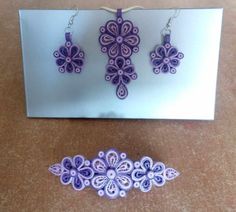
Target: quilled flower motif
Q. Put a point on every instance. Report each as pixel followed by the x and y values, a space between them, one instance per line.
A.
pixel 120 72
pixel 148 173
pixel 112 174
pixel 69 58
pixel 165 58
pixel 75 171
pixel 119 38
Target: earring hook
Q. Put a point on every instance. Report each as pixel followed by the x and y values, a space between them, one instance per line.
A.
pixel 71 21
pixel 167 28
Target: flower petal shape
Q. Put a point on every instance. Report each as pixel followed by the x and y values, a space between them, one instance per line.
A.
pixel 78 161
pixel 125 79
pixel 78 62
pixel 146 163
pixel 112 158
pixel 172 52
pixel 112 28
pixel 124 182
pixel 125 167
pixel 63 51
pixel 69 67
pixel 65 179
pixel 157 62
pixel 99 181
pixel 113 50
pixel 138 174
pixel 67 163
pixel 56 169
pixel 86 172
pixel 126 28
pixel 111 69
pixel 146 185
pixel 160 52
pixel 121 91
pixel 77 183
pixel 165 68
pixel 120 62
pixel 158 168
pixel 116 80
pixel 132 40
pixel 111 189
pixel 74 51
pixel 174 62
pixel 106 39
pixel 99 166
pixel 125 50
pixel 60 61
pixel 170 173
pixel 159 180
pixel 129 69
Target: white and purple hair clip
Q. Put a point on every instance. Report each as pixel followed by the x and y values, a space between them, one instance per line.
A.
pixel 112 174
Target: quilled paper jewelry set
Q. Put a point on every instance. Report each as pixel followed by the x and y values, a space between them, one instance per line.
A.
pixel 119 39
pixel 111 173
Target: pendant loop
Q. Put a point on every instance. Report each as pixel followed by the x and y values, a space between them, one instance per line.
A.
pixel 68 36
pixel 119 13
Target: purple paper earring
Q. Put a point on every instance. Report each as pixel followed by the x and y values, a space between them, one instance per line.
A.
pixel 165 58
pixel 70 57
pixel 119 39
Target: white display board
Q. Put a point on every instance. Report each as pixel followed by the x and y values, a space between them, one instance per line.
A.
pixel 188 94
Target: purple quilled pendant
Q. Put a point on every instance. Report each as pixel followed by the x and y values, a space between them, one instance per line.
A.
pixel 165 58
pixel 119 39
pixel 112 174
pixel 70 57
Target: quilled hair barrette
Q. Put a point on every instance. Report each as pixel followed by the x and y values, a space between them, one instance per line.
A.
pixel 112 174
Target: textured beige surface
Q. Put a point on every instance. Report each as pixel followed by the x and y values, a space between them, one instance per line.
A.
pixel 204 152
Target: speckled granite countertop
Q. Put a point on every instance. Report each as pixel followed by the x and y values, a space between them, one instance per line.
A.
pixel 203 151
